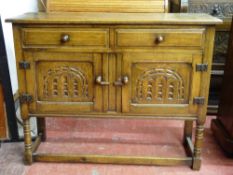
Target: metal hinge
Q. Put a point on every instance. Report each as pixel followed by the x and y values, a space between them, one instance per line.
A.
pixel 202 67
pixel 25 98
pixel 24 65
pixel 199 100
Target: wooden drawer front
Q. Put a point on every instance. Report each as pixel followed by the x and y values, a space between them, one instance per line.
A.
pixel 168 37
pixel 76 37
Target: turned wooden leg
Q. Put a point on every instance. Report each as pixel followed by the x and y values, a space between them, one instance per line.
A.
pixel 27 142
pixel 198 146
pixel 188 130
pixel 41 126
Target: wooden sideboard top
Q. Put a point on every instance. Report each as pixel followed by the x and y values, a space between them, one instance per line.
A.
pixel 116 18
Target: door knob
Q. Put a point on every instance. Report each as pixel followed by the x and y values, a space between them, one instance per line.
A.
pixel 125 80
pixel 99 81
pixel 122 81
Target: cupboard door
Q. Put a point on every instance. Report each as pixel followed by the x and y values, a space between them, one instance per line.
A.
pixel 59 81
pixel 160 83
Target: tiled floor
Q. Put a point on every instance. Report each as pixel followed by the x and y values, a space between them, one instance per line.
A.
pixel 119 137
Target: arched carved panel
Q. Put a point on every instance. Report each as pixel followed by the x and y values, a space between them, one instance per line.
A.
pixel 65 82
pixel 160 86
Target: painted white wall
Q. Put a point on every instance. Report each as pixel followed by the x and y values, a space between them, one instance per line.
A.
pixel 11 8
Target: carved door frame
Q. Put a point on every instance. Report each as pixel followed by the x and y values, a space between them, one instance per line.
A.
pixel 189 59
pixel 71 104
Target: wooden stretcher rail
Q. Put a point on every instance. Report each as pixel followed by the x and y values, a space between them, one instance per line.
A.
pixel 109 159
pixel 127 160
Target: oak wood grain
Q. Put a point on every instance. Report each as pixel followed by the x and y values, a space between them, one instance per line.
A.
pixel 115 18
pixel 149 37
pixel 76 37
pixel 155 6
pixel 112 159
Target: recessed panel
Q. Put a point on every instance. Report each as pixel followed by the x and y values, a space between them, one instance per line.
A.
pixel 65 81
pixel 159 37
pixel 160 83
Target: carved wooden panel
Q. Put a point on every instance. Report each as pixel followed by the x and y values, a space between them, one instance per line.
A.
pixel 160 80
pixel 63 81
pixel 160 83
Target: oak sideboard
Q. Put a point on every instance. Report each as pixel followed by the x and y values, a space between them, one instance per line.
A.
pixel 115 65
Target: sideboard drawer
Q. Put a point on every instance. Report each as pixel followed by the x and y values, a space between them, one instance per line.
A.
pixel 159 37
pixel 81 37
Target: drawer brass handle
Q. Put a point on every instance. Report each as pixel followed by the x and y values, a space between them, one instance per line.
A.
pixel 99 81
pixel 159 39
pixel 122 81
pixel 65 38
